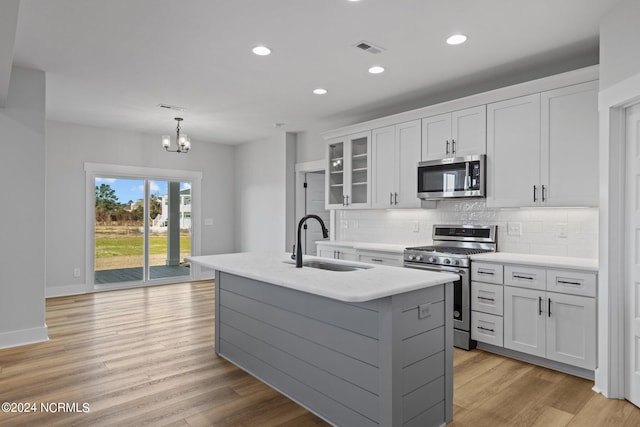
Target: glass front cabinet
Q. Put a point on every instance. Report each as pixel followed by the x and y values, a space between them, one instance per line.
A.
pixel 348 178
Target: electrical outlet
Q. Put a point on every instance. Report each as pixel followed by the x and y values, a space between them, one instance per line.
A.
pixel 563 230
pixel 208 221
pixel 424 310
pixel 416 226
pixel 514 229
pixel 76 272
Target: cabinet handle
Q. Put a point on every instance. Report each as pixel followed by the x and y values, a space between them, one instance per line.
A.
pixel 447 146
pixel 486 299
pixel 543 197
pixel 390 198
pixel 517 276
pixel 565 282
pixel 343 201
pixel 396 198
pixel 490 273
pixel 453 146
pixel 346 198
pixel 535 189
pixel 539 306
pixel 376 260
pixel 485 329
pixel 549 312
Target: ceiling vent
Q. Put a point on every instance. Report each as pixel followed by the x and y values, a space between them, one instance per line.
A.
pixel 171 107
pixel 368 47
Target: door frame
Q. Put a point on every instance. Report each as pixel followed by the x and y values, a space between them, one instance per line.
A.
pixel 94 170
pixel 301 169
pixel 613 101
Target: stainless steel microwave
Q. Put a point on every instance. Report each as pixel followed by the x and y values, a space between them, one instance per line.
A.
pixel 452 177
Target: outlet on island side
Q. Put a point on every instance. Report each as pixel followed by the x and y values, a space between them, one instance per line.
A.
pixel 76 272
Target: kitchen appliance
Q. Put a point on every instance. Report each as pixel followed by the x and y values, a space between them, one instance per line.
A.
pixel 452 177
pixel 452 246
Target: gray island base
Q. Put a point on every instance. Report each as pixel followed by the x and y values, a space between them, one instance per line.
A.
pixel 387 361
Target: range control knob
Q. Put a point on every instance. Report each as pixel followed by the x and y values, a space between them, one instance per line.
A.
pixel 456 262
pixel 418 257
pixel 446 261
pixel 411 257
pixel 432 259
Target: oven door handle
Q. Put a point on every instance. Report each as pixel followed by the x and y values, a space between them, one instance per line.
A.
pixel 437 269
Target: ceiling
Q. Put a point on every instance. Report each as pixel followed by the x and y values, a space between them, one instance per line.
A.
pixel 110 63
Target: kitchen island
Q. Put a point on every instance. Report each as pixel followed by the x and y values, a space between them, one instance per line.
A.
pixel 367 347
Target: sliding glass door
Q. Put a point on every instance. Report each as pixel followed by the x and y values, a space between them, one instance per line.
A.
pixel 142 230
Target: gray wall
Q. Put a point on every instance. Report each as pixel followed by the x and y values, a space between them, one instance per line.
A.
pixel 22 217
pixel 69 146
pixel 262 173
pixel 619 39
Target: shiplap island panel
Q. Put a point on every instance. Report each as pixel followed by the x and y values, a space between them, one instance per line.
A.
pixel 358 348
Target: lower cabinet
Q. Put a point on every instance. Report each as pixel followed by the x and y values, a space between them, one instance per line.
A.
pixel 337 252
pixel 556 326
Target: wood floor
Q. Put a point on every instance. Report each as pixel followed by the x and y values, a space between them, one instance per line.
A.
pixel 145 357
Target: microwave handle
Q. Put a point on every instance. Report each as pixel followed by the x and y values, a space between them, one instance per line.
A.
pixel 467 177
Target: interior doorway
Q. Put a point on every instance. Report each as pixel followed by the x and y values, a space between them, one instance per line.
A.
pixel 314 196
pixel 632 255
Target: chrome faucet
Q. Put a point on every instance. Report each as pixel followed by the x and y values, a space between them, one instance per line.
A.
pixel 325 234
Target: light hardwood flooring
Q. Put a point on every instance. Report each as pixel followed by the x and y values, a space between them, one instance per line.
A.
pixel 145 357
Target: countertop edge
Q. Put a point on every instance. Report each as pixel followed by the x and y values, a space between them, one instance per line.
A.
pixel 552 261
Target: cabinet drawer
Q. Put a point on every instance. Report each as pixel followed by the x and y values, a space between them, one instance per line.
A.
pixel 487 298
pixel 487 328
pixel 486 272
pixel 380 259
pixel 572 282
pixel 525 277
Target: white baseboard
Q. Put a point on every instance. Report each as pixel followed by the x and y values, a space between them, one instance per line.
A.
pixel 63 291
pixel 24 337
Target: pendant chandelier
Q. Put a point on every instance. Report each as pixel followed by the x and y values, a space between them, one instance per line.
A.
pixel 184 143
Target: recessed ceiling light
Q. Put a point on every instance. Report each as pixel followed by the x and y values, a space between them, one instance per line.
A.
pixel 457 39
pixel 320 91
pixel 376 69
pixel 262 50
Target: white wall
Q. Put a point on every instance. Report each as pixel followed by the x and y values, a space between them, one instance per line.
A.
pixel 69 146
pixel 619 38
pixel 540 227
pixel 22 217
pixel 263 170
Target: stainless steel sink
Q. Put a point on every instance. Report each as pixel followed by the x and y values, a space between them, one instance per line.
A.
pixel 324 265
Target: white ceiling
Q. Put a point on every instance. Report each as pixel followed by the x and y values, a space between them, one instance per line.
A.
pixel 111 62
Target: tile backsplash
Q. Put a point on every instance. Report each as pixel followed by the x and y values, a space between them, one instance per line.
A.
pixel 543 231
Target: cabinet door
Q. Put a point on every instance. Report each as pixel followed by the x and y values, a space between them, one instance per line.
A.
pixel 335 179
pixel 569 146
pixel 436 137
pixel 358 168
pixel 524 320
pixel 469 131
pixel 571 330
pixel 384 164
pixel 407 158
pixel 326 251
pixel 513 152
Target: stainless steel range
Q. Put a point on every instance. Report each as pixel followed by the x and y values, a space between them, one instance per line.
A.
pixel 452 246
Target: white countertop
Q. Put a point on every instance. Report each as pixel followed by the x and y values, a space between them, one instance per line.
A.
pixel 588 264
pixel 375 282
pixel 382 247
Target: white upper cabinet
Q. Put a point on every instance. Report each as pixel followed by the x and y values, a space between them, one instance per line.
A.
pixel 395 155
pixel 513 151
pixel 348 181
pixel 569 146
pixel 456 134
pixel 542 149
